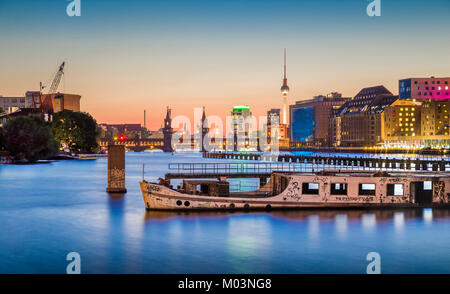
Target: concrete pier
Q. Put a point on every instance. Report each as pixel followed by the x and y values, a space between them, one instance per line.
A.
pixel 116 169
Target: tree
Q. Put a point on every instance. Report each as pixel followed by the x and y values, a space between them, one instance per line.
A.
pixel 109 133
pixel 2 138
pixel 145 134
pixel 77 131
pixel 29 138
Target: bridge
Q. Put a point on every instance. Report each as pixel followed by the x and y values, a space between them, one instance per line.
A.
pixel 138 145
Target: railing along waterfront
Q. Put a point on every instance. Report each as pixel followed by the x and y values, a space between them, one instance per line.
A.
pixel 352 162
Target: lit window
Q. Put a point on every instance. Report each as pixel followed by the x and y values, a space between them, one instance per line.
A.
pixel 427 185
pixel 395 189
pixel 367 189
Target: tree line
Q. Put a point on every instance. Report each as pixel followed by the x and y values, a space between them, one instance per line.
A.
pixel 31 138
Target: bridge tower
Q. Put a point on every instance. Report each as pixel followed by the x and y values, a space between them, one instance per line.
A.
pixel 205 129
pixel 168 131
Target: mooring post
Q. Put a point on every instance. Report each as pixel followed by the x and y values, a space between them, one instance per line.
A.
pixel 116 169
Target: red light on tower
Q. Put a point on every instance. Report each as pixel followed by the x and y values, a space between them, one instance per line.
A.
pixel 121 137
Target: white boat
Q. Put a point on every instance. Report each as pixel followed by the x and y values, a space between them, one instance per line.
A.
pixel 287 190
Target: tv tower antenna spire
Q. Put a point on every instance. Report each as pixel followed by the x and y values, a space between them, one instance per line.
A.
pixel 284 91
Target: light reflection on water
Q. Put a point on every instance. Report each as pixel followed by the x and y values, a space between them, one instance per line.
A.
pixel 49 210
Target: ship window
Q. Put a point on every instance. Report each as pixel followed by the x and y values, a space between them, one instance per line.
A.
pixel 338 189
pixel 310 188
pixel 427 186
pixel 395 189
pixel 367 189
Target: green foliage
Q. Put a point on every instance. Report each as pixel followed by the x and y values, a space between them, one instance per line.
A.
pixel 2 139
pixel 77 131
pixel 145 134
pixel 109 134
pixel 29 138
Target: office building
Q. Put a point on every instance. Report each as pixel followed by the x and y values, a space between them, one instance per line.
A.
pixel 309 119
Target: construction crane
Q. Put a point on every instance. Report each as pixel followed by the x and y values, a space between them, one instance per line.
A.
pixel 51 90
pixel 56 80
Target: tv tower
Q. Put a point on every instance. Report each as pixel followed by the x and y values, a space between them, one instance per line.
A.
pixel 284 91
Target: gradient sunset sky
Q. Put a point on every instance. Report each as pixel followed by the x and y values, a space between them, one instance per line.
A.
pixel 127 56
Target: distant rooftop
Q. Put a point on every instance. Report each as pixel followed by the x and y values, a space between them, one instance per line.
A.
pixel 371 99
pixel 333 96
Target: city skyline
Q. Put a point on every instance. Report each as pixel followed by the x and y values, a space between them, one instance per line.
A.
pixel 124 58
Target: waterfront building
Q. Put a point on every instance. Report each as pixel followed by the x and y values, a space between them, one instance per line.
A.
pixel 60 101
pixel 241 120
pixel 421 116
pixel 424 88
pixel 275 127
pixel 401 123
pixel 273 119
pixel 12 104
pixel 34 102
pixel 309 119
pixel 358 122
pixel 47 103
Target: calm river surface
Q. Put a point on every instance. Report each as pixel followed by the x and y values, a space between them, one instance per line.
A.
pixel 49 210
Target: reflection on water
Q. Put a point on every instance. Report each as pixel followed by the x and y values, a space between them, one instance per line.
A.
pixel 369 221
pixel 49 210
pixel 428 216
pixel 341 225
pixel 399 221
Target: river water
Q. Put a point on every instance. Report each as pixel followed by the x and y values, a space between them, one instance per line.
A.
pixel 49 210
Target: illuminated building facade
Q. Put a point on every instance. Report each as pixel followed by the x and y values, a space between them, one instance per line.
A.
pixel 358 122
pixel 273 118
pixel 421 117
pixel 275 127
pixel 309 119
pixel 241 119
pixel 424 88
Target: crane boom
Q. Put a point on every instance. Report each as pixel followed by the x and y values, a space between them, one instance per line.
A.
pixel 57 79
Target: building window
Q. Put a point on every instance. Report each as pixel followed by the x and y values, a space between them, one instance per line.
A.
pixel 338 189
pixel 310 188
pixel 395 189
pixel 367 189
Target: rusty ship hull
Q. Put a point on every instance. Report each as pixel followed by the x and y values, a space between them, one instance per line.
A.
pixel 309 190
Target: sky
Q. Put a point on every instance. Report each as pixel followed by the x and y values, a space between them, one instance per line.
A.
pixel 126 56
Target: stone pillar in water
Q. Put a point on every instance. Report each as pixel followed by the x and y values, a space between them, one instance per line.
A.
pixel 116 169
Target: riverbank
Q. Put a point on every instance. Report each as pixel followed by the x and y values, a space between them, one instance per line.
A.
pixel 10 160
